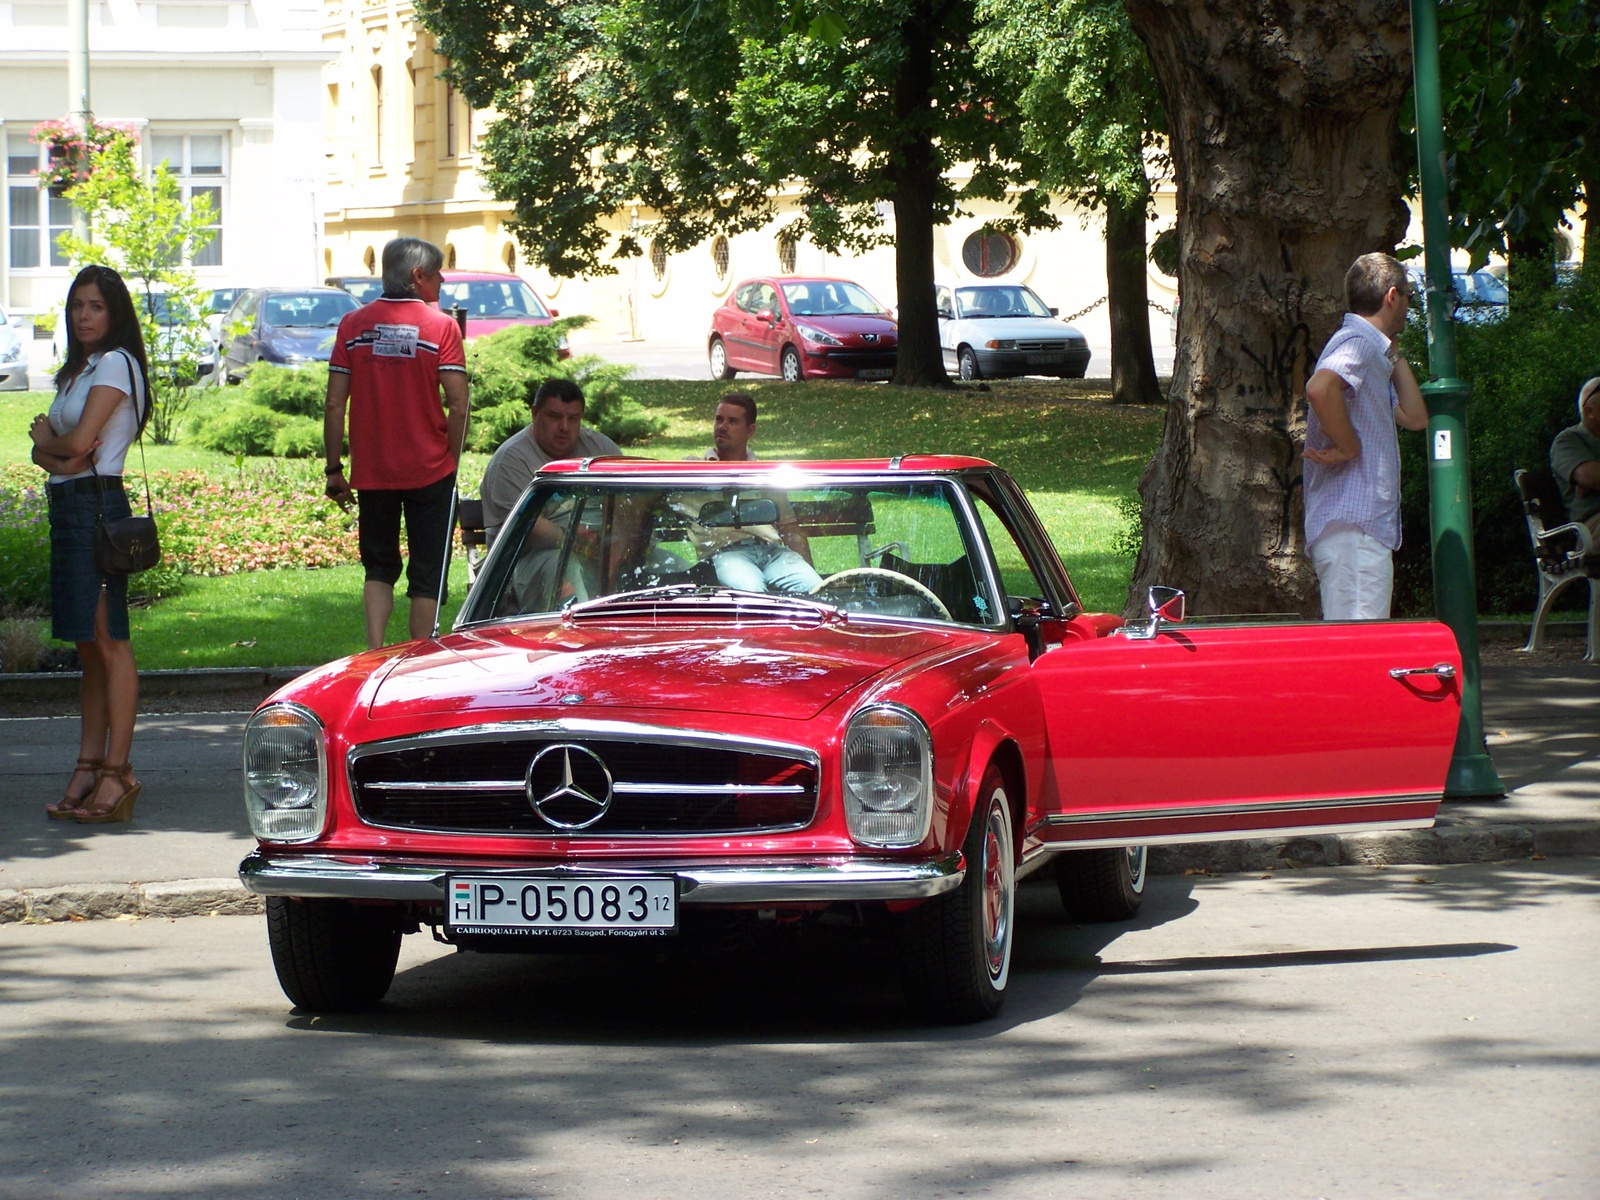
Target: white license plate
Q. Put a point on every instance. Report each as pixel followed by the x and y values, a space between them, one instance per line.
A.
pixel 875 373
pixel 586 907
pixel 1041 359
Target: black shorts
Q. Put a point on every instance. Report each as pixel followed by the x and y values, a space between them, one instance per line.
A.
pixel 427 514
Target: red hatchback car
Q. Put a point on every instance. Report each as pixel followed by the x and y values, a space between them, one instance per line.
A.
pixel 736 697
pixel 802 329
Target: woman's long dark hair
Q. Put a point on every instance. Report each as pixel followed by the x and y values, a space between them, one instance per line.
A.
pixel 125 334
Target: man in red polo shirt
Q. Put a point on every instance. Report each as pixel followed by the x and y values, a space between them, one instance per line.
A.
pixel 390 360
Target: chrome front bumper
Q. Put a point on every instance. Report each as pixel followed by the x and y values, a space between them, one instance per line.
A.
pixel 844 879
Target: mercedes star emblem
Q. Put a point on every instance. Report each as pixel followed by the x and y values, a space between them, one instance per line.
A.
pixel 569 786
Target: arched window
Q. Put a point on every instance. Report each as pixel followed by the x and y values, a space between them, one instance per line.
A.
pixel 719 257
pixel 989 254
pixel 449 257
pixel 327 262
pixel 786 254
pixel 658 260
pixel 509 257
pixel 370 261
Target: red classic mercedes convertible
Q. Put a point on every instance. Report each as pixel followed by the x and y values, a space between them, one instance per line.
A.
pixel 688 693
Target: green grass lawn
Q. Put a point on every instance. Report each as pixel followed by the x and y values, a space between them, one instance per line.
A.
pixel 1076 455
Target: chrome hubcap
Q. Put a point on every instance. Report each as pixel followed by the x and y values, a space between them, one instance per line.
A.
pixel 1136 862
pixel 791 368
pixel 996 889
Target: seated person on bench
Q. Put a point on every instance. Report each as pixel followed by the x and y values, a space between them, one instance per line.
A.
pixel 1575 461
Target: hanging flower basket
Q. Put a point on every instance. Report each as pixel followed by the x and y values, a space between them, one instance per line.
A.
pixel 72 149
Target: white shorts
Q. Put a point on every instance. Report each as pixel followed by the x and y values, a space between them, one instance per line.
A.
pixel 1355 571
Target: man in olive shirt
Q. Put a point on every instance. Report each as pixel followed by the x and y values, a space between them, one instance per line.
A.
pixel 556 432
pixel 1575 461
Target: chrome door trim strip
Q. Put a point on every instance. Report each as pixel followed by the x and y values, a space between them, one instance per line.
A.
pixel 1043 850
pixel 1174 812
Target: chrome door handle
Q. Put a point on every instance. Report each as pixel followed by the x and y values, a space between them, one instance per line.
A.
pixel 1442 670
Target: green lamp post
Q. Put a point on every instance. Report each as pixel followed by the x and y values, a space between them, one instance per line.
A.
pixel 1449 479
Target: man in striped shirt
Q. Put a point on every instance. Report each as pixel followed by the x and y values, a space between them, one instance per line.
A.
pixel 390 360
pixel 1361 390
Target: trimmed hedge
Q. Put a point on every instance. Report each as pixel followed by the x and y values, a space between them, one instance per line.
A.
pixel 1525 373
pixel 278 410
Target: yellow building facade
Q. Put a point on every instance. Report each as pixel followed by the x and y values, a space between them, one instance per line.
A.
pixel 402 159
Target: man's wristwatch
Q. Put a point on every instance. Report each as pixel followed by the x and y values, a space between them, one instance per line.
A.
pixel 334 470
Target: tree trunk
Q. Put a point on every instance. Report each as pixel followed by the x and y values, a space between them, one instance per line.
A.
pixel 1289 164
pixel 920 362
pixel 1133 364
pixel 915 170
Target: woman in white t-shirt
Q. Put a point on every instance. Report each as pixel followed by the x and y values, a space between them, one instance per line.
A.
pixel 101 405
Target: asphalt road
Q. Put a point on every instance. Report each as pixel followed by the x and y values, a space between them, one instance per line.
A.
pixel 1340 1033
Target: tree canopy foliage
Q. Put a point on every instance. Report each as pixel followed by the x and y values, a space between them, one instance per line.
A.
pixel 1522 121
pixel 701 111
pixel 1092 119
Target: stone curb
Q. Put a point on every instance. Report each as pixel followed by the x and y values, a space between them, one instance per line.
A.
pixel 1417 847
pixel 63 685
pixel 101 901
pixel 1421 847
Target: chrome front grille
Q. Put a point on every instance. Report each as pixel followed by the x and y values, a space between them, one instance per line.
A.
pixel 660 786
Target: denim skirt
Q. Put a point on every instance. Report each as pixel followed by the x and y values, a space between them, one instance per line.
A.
pixel 75 582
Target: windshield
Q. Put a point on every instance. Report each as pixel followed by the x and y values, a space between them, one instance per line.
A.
pixel 1000 301
pixel 164 308
pixel 364 290
pixel 829 298
pixel 491 299
pixel 895 550
pixel 222 299
pixel 307 309
pixel 1489 290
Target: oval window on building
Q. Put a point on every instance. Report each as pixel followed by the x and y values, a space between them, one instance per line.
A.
pixel 370 261
pixel 786 254
pixel 449 257
pixel 989 254
pixel 719 257
pixel 658 260
pixel 509 257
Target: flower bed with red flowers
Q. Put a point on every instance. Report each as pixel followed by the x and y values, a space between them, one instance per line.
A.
pixel 265 515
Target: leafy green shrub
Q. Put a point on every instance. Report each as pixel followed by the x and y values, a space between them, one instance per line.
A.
pixel 1525 373
pixel 297 391
pixel 508 367
pixel 298 437
pixel 240 427
pixel 24 541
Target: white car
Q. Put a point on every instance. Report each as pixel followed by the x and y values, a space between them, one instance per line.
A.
pixel 15 334
pixel 996 330
pixel 175 337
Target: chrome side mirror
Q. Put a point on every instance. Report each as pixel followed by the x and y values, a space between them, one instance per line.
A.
pixel 1167 607
pixel 1166 603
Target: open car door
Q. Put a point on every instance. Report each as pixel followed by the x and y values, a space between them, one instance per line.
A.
pixel 1218 732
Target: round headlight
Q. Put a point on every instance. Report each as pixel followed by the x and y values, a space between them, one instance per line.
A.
pixel 888 777
pixel 285 774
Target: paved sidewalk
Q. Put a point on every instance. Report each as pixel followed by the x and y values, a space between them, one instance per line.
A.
pixel 180 852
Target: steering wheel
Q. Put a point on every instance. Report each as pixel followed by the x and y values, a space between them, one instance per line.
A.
pixel 900 581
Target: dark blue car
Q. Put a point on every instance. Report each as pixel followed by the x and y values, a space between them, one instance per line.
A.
pixel 285 326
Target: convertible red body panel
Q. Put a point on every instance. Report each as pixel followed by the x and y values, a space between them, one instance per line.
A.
pixel 934 716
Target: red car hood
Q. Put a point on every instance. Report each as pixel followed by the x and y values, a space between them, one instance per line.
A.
pixel 785 671
pixel 847 324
